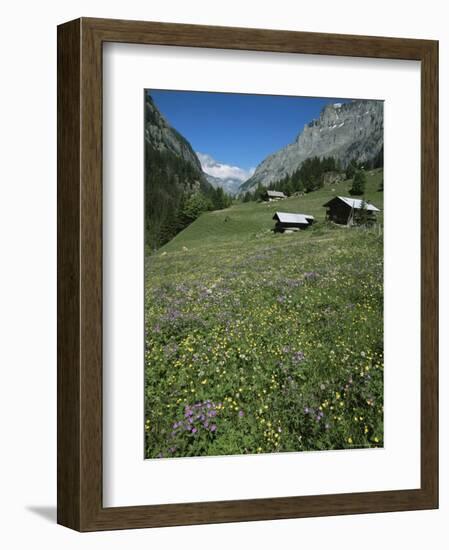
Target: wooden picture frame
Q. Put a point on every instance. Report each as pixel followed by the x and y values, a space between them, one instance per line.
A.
pixel 80 504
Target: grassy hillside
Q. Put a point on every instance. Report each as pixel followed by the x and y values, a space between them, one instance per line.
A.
pixel 243 222
pixel 262 342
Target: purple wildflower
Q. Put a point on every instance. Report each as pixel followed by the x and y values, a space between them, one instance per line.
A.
pixel 310 275
pixel 298 356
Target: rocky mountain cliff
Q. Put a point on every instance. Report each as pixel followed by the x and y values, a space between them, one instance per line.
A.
pixel 172 171
pixel 219 174
pixel 164 139
pixel 348 131
pixel 229 185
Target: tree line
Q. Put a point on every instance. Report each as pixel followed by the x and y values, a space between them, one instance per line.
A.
pixel 176 193
pixel 310 177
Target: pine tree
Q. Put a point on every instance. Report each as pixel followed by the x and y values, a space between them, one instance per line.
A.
pixel 288 188
pixel 258 193
pixel 363 216
pixel 351 169
pixel 358 183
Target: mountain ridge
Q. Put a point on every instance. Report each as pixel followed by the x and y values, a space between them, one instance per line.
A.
pixel 344 131
pixel 229 185
pixel 164 138
pixel 172 172
pixel 220 174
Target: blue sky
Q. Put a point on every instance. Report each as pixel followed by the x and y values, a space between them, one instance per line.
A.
pixel 238 129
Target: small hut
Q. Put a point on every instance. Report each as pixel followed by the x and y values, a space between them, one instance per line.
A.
pixel 285 221
pixel 271 195
pixel 348 211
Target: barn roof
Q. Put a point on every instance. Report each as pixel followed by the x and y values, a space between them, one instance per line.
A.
pixel 354 203
pixel 272 193
pixel 287 217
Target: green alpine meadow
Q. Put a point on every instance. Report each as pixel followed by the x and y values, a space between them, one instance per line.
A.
pixel 264 311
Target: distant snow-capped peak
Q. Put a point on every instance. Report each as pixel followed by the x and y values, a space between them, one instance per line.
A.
pixel 221 170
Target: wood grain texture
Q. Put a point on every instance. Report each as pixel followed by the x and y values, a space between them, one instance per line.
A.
pixel 69 406
pixel 429 271
pixel 80 274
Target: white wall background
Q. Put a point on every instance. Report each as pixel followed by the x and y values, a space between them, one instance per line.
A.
pixel 28 273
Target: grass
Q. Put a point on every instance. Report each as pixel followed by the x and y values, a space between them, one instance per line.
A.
pixel 259 342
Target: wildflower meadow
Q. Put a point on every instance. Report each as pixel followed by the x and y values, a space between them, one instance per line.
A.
pixel 257 342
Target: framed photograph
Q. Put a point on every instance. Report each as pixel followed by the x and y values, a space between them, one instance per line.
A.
pixel 247 274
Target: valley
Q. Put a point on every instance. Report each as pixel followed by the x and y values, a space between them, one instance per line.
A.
pixel 259 342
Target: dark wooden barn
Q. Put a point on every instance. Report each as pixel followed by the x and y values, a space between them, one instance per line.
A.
pixel 271 195
pixel 348 211
pixel 286 221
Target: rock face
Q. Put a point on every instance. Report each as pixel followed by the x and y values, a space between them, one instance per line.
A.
pixel 229 185
pixel 163 138
pixel 348 131
pixel 172 171
pixel 331 178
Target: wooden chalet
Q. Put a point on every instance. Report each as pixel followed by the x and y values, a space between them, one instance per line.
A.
pixel 347 210
pixel 286 221
pixel 271 195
